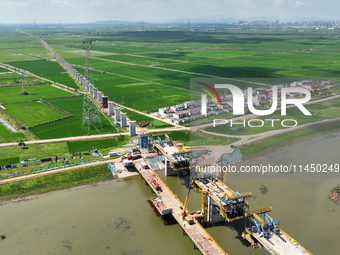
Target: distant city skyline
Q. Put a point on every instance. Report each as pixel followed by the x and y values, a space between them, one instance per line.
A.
pixel 83 11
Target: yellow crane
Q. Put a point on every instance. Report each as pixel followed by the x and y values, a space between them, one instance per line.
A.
pixel 184 213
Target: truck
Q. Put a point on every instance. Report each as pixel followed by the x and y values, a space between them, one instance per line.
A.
pixel 145 166
pixel 189 219
pixel 128 163
pixel 145 123
pixel 155 184
pixel 113 154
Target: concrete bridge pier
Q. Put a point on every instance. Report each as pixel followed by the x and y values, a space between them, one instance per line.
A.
pixel 169 171
pixel 213 215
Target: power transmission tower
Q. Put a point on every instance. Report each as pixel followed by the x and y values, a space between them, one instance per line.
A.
pixel 23 86
pixel 88 63
pixel 91 114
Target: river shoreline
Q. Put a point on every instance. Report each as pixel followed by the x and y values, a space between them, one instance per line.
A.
pixel 14 199
pixel 290 144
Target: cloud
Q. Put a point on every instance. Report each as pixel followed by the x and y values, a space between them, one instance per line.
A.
pixel 278 2
pixel 17 4
pixel 106 3
pixel 125 3
pixel 61 3
pixel 298 4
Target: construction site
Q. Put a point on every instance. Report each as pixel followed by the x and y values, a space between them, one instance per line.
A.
pixel 219 203
pixel 158 151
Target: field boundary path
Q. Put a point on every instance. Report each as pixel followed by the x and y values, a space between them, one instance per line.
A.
pixel 7 125
pixel 182 71
pixel 89 137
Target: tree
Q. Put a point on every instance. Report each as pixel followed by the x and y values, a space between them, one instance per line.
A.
pixel 21 143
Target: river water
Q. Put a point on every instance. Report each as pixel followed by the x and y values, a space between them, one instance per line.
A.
pixel 113 217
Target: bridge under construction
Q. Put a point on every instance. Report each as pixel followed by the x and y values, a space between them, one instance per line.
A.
pixel 219 203
pixel 168 204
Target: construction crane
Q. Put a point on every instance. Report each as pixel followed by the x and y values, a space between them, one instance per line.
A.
pixel 184 213
pixel 165 134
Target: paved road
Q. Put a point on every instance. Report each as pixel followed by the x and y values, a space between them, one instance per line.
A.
pixel 260 136
pixel 253 116
pixel 244 138
pixel 91 137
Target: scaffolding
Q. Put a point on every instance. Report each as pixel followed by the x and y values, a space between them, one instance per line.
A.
pixel 144 141
pixel 232 158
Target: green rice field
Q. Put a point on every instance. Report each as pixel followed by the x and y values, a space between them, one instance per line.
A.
pixel 152 69
pixel 34 113
pixel 6 136
pixel 34 151
pixel 47 69
pixel 71 126
pixel 139 118
pixel 199 138
pixel 12 94
pixel 102 144
pixel 15 80
pixel 3 70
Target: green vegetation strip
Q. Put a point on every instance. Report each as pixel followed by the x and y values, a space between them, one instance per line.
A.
pixel 6 136
pixel 54 182
pixel 80 146
pixel 139 118
pixel 199 138
pixel 38 151
pixel 8 161
pixel 277 141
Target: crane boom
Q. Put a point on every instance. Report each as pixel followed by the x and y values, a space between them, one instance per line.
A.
pixel 184 212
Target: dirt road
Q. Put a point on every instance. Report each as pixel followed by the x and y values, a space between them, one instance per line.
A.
pixel 25 177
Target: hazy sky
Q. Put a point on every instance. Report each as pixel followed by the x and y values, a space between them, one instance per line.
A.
pixel 79 11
